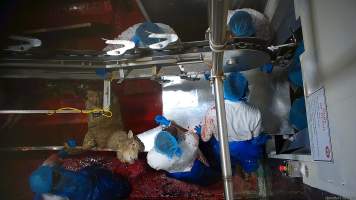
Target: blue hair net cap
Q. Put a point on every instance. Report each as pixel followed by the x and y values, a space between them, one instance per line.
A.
pixel 235 87
pixel 241 24
pixel 41 180
pixel 297 114
pixel 144 30
pixel 167 144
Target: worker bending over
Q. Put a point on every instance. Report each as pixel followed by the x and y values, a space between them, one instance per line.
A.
pixel 176 152
pixel 52 181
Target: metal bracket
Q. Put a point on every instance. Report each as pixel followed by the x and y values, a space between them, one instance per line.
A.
pixel 29 43
pixel 107 95
pixel 169 38
pixel 274 48
pixel 126 45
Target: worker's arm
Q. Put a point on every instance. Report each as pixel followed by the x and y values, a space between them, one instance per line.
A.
pixel 53 160
pixel 208 127
pixel 258 128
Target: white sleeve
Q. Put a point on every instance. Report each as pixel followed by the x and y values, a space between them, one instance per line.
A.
pixel 258 127
pixel 160 161
pixel 183 163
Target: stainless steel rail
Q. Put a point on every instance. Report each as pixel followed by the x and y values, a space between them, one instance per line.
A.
pixel 218 15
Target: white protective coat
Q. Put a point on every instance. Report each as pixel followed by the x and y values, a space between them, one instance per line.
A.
pixel 261 23
pixel 243 122
pixel 184 163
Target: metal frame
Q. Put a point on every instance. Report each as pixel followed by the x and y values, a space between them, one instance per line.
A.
pixel 83 64
pixel 106 105
pixel 107 95
pixel 300 157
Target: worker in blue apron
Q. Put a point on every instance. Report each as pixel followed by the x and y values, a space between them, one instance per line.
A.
pixel 243 126
pixel 52 181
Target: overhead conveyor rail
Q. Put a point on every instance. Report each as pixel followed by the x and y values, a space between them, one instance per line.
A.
pixel 41 63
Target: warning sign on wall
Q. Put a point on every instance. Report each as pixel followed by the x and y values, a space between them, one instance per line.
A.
pixel 318 126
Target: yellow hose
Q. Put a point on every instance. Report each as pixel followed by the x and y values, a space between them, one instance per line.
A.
pixel 105 113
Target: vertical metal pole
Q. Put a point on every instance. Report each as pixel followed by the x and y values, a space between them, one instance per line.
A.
pixel 107 95
pixel 143 10
pixel 309 59
pixel 218 15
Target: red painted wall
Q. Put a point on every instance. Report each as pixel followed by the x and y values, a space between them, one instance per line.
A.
pixel 140 102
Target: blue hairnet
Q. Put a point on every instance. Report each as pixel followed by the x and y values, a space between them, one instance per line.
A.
pixel 144 30
pixel 297 114
pixel 167 144
pixel 235 87
pixel 41 180
pixel 241 24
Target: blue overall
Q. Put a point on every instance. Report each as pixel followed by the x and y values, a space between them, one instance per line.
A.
pixel 90 183
pixel 199 174
pixel 246 153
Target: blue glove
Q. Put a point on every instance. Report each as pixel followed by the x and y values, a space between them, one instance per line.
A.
pixel 71 143
pixel 198 130
pixel 162 120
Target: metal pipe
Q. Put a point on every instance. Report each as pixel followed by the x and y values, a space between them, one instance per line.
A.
pixel 38 111
pixel 50 148
pixel 270 9
pixel 223 139
pixel 143 10
pixel 218 15
pixel 49 112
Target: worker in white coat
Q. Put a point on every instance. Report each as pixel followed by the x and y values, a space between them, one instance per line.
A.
pixel 176 151
pixel 243 125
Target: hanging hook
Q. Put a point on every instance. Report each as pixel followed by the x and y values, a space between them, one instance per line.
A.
pixel 169 38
